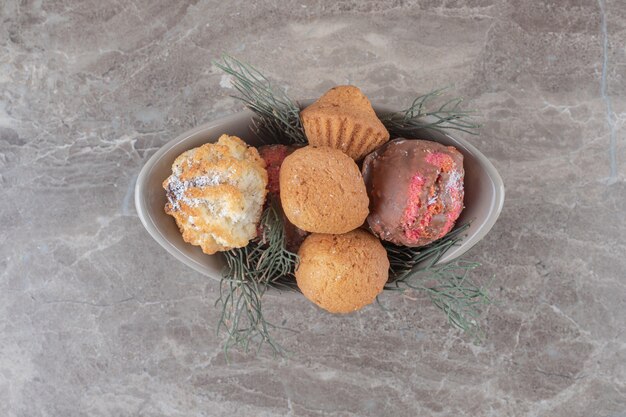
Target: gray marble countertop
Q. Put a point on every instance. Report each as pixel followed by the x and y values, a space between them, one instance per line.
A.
pixel 96 319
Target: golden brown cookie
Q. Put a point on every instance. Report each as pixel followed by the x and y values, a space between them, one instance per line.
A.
pixel 343 118
pixel 342 273
pixel 216 194
pixel 322 191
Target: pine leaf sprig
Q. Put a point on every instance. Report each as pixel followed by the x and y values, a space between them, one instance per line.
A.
pixel 460 298
pixel 448 286
pixel 278 117
pixel 403 259
pixel 249 272
pixel 450 289
pixel 423 113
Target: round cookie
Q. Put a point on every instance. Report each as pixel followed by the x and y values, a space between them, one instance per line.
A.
pixel 322 191
pixel 342 273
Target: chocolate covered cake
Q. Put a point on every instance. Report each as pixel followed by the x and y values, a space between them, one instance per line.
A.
pixel 415 189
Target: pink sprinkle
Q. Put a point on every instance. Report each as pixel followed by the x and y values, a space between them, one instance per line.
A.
pixel 440 160
pixel 413 206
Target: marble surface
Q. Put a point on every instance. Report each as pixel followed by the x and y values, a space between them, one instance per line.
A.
pixel 97 320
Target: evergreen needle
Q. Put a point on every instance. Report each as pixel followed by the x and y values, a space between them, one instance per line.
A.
pixel 249 272
pixel 448 115
pixel 278 117
pixel 448 286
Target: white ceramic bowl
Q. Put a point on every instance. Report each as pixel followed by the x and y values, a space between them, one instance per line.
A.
pixel 484 190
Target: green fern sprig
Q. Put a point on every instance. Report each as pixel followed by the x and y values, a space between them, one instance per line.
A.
pixel 423 113
pixel 278 117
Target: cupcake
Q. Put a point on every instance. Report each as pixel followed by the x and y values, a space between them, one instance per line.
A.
pixel 343 118
pixel 415 189
pixel 216 194
pixel 322 191
pixel 342 273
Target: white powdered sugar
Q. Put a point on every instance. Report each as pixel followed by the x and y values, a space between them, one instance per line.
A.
pixel 177 190
pixel 206 180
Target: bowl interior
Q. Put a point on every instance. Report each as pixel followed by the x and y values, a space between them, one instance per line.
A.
pixel 484 190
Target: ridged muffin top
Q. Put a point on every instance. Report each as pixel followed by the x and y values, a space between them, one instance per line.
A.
pixel 343 118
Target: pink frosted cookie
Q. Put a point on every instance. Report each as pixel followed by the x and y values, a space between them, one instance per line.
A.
pixel 415 189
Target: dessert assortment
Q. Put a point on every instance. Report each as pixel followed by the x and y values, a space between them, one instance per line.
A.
pixel 339 196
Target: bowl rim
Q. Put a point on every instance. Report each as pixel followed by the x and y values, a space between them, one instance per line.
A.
pixel 495 205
